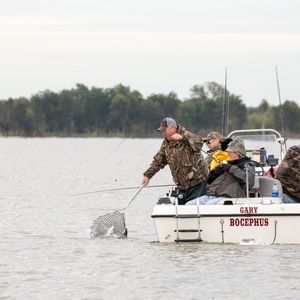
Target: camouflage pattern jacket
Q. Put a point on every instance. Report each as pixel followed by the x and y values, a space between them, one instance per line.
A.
pixel 288 173
pixel 184 159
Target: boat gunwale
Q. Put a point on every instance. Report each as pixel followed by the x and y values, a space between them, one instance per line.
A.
pixel 192 216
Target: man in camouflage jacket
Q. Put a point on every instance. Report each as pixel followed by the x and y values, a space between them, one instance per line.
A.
pixel 288 174
pixel 181 150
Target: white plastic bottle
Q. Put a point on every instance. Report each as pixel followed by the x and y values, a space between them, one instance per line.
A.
pixel 275 192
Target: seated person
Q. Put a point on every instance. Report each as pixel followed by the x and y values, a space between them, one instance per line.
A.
pixel 229 180
pixel 216 153
pixel 271 172
pixel 288 174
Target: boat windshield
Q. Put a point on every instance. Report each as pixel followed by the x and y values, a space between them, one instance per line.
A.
pixel 254 141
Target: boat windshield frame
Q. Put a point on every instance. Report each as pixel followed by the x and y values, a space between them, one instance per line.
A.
pixel 272 134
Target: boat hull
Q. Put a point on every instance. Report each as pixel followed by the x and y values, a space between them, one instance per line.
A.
pixel 267 222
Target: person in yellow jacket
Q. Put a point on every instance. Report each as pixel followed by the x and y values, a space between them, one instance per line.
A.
pixel 217 146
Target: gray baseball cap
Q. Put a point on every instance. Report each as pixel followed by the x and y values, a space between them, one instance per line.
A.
pixel 166 122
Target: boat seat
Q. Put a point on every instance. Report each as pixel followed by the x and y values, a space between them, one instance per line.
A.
pixel 255 189
pixel 266 186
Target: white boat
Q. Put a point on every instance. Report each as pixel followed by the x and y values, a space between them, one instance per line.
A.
pixel 257 219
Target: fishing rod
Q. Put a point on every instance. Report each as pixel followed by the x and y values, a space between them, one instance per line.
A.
pixel 218 161
pixel 227 98
pixel 223 110
pixel 279 97
pixel 281 111
pixel 124 140
pixel 225 113
pixel 123 189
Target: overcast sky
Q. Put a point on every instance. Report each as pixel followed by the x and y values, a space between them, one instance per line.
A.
pixel 153 46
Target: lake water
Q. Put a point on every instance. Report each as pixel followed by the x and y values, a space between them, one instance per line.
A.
pixel 46 252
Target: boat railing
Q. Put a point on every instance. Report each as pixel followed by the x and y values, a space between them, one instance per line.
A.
pixel 250 201
pixel 258 131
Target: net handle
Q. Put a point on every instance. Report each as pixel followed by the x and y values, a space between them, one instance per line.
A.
pixel 134 196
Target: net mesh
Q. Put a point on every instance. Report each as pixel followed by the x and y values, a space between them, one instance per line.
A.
pixel 109 225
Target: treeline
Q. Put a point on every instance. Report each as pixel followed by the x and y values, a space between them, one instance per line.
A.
pixel 120 111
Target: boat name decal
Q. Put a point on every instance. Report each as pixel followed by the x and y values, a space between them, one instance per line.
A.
pixel 248 210
pixel 249 222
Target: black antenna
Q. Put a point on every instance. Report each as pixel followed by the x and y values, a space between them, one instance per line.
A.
pixel 224 114
pixel 279 96
pixel 227 99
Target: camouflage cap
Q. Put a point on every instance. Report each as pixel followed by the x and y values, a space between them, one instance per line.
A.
pixel 237 146
pixel 212 135
pixel 166 122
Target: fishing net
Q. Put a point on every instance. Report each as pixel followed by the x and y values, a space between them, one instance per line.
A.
pixel 109 225
pixel 112 224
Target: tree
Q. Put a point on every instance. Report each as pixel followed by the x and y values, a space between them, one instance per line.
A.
pixel 21 120
pixel 6 112
pixel 125 110
pixel 45 110
pixel 97 110
pixel 204 110
pixel 290 112
pixel 120 110
pixel 156 107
